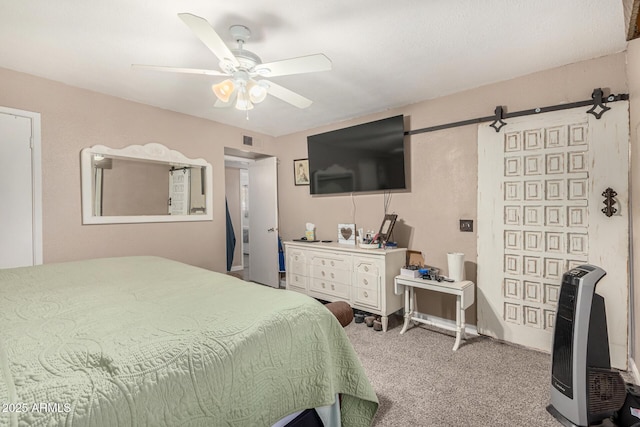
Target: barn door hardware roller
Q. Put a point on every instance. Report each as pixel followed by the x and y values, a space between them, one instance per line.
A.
pixel 597 102
pixel 608 195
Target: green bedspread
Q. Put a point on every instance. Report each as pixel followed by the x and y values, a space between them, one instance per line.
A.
pixel 144 341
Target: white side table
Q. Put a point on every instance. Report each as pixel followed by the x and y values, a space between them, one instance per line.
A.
pixel 464 292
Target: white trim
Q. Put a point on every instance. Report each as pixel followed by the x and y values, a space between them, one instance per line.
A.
pixel 36 172
pixel 633 369
pixel 237 268
pixel 442 323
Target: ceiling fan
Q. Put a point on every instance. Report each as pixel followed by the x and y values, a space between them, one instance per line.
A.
pixel 246 84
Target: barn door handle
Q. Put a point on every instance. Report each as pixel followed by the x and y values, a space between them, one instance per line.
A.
pixel 608 195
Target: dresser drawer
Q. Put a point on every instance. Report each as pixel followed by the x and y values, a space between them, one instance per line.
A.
pixel 331 262
pixel 297 281
pixel 367 281
pixel 340 290
pixel 297 262
pixel 367 266
pixel 367 297
pixel 331 274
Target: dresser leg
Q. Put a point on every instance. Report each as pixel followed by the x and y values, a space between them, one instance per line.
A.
pixel 385 323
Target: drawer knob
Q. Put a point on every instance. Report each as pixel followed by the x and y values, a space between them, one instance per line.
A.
pixel 366 295
pixel 333 275
pixel 332 263
pixel 296 257
pixel 333 288
pixel 323 285
pixel 322 273
pixel 365 281
pixel 366 268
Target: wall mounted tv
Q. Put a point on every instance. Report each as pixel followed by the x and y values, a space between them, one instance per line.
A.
pixel 366 157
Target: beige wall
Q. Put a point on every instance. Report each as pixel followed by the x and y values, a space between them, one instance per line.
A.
pixel 633 75
pixel 73 119
pixel 443 168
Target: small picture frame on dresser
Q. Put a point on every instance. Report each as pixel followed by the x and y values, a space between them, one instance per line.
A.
pixel 347 234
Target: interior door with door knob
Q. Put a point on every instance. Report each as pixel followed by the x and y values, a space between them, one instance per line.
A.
pixel 263 222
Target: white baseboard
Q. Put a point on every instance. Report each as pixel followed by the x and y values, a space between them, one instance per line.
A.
pixel 633 369
pixel 236 268
pixel 446 324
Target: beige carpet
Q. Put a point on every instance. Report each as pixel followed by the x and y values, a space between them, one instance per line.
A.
pixel 420 381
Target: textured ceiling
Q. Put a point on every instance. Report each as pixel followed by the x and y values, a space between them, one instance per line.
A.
pixel 385 54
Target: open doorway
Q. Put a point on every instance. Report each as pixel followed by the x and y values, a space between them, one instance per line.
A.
pixel 251 195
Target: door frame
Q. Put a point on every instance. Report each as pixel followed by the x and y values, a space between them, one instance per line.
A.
pixel 233 157
pixel 36 175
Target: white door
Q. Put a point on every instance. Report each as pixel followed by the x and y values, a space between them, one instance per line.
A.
pixel 263 221
pixel 20 210
pixel 540 184
pixel 179 191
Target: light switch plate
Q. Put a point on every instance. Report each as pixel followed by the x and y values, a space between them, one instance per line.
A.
pixel 466 225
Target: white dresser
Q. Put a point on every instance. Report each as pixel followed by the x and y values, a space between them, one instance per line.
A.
pixel 338 272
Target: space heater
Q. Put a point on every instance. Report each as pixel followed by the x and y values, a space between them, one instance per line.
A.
pixel 584 388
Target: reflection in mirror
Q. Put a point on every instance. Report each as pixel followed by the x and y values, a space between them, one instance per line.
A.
pixel 144 184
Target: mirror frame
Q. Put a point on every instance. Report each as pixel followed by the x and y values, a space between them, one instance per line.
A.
pixel 153 152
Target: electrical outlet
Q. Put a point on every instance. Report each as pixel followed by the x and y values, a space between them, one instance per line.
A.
pixel 466 225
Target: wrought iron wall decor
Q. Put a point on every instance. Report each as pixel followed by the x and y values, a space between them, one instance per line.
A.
pixel 608 201
pixel 597 102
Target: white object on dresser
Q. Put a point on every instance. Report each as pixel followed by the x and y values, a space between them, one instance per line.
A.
pixel 464 292
pixel 336 272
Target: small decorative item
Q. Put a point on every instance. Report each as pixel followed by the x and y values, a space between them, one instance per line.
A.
pixel 386 228
pixel 347 234
pixel 301 171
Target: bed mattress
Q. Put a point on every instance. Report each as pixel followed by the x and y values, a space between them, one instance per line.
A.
pixel 145 341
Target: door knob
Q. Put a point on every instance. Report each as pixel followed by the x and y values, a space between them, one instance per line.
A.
pixel 271 230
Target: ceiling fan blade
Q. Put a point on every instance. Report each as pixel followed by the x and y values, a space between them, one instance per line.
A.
pixel 178 70
pixel 302 64
pixel 205 32
pixel 288 95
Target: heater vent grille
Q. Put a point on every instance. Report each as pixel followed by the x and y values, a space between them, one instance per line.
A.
pixel 607 391
pixel 562 368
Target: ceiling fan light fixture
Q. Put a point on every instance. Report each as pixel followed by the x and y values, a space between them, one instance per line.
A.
pixel 224 89
pixel 243 104
pixel 258 91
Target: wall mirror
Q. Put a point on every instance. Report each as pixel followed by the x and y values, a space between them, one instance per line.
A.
pixel 144 183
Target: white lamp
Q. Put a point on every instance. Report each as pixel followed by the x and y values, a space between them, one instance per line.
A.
pixel 243 102
pixel 224 89
pixel 258 91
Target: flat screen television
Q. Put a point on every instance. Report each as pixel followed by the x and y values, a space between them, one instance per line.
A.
pixel 366 157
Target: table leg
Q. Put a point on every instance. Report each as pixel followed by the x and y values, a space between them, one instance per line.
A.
pixel 463 325
pixel 407 308
pixel 459 313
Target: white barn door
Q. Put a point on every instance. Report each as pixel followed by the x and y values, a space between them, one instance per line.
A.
pixel 540 184
pixel 179 191
pixel 20 210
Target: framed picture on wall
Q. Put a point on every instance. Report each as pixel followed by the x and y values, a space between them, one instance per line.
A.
pixel 301 171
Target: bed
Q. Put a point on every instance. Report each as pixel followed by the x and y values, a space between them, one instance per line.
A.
pixel 146 341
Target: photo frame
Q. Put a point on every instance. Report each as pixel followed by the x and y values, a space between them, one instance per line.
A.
pixel 301 171
pixel 347 234
pixel 386 228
